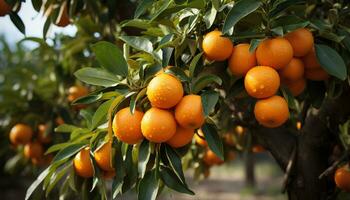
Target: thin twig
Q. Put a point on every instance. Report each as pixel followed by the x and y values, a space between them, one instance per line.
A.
pixel 289 169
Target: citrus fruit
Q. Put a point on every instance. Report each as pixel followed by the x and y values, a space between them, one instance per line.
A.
pixel 76 92
pixel 82 163
pixel 210 158
pixel 318 74
pixel 241 60
pixel 127 126
pixel 158 125
pixel 239 130
pixel 276 53
pixel 189 112
pixel 33 150
pixel 21 134
pixel 271 112
pixel 301 40
pixel 182 137
pixel 199 139
pixel 216 47
pixel 258 149
pixel 4 8
pixel 103 156
pixel 42 136
pixel 296 87
pixel 262 82
pixel 164 91
pixel 310 60
pixel 342 178
pixel 294 70
pixel 108 174
pixel 229 139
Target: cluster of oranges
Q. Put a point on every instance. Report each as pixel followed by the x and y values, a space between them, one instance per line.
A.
pixel 22 134
pixel 289 60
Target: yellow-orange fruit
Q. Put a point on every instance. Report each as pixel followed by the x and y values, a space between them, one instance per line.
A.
pixel 33 150
pixel 21 134
pixel 271 112
pixel 63 17
pixel 164 91
pixel 310 60
pixel 59 121
pixel 216 47
pixel 127 126
pixel 276 53
pixel 4 8
pixel 42 136
pixel 76 92
pixel 82 163
pixel 316 74
pixel 239 130
pixel 199 140
pixel 301 40
pixel 296 87
pixel 262 82
pixel 229 139
pixel 258 149
pixel 158 125
pixel 294 70
pixel 210 158
pixel 182 137
pixel 241 60
pixel 189 112
pixel 342 178
pixel 103 157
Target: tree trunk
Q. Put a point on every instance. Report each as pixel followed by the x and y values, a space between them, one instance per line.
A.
pixel 249 170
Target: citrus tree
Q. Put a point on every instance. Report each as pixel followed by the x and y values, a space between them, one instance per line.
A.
pixel 234 75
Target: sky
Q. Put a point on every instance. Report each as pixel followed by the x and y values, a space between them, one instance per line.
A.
pixel 34 23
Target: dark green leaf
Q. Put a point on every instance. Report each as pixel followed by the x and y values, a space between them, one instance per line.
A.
pixel 175 162
pixel 280 6
pixel 57 175
pixel 161 10
pixel 96 76
pixel 142 7
pixel 92 98
pixel 68 152
pixel 37 4
pixel 179 73
pixel 119 168
pixel 36 183
pixel 172 181
pixel 254 44
pixel 148 187
pixel 288 96
pixel 144 155
pixel 101 113
pixel 46 27
pixel 209 100
pixel 18 22
pixel 213 139
pixel 139 43
pixel 66 128
pixel 194 64
pixel 205 81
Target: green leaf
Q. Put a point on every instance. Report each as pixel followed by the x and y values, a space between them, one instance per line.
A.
pixel 161 9
pixel 331 61
pixel 254 43
pixel 111 58
pixel 288 96
pixel 119 168
pixel 213 139
pixel 18 22
pixel 92 98
pixel 175 162
pixel 172 181
pixel 178 72
pixel 96 76
pixel 65 128
pixel 194 64
pixel 101 113
pixel 280 6
pixel 87 115
pixel 36 183
pixel 143 157
pixel 46 27
pixel 205 81
pixel 137 23
pixel 68 151
pixel 148 187
pixel 239 11
pixel 142 7
pixel 57 147
pixel 209 17
pixel 37 4
pixel 209 100
pixel 139 43
pixel 57 175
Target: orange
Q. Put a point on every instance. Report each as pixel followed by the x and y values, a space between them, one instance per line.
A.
pixel 301 40
pixel 239 130
pixel 21 134
pixel 158 125
pixel 276 53
pixel 108 174
pixel 63 17
pixel 258 149
pixel 182 137
pixel 82 163
pixel 342 178
pixel 294 70
pixel 216 47
pixel 262 82
pixel 298 125
pixel 59 121
pixel 271 112
pixel 210 158
pixel 189 112
pixel 164 91
pixel 33 150
pixel 76 92
pixel 229 139
pixel 316 74
pixel 127 126
pixel 4 8
pixel 296 87
pixel 199 139
pixel 103 156
pixel 241 60
pixel 310 60
pixel 43 138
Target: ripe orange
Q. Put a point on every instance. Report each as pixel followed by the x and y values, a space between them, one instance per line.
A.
pixel 164 91
pixel 258 149
pixel 59 121
pixel 276 53
pixel 239 130
pixel 108 174
pixel 342 178
pixel 182 137
pixel 316 74
pixel 82 163
pixel 271 112
pixel 241 60
pixel 189 112
pixel 296 87
pixel 216 47
pixel 262 82
pixel 127 126
pixel 63 17
pixel 41 134
pixel 21 134
pixel 199 139
pixel 103 157
pixel 310 60
pixel 301 40
pixel 294 70
pixel 33 150
pixel 210 158
pixel 4 8
pixel 76 92
pixel 158 125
